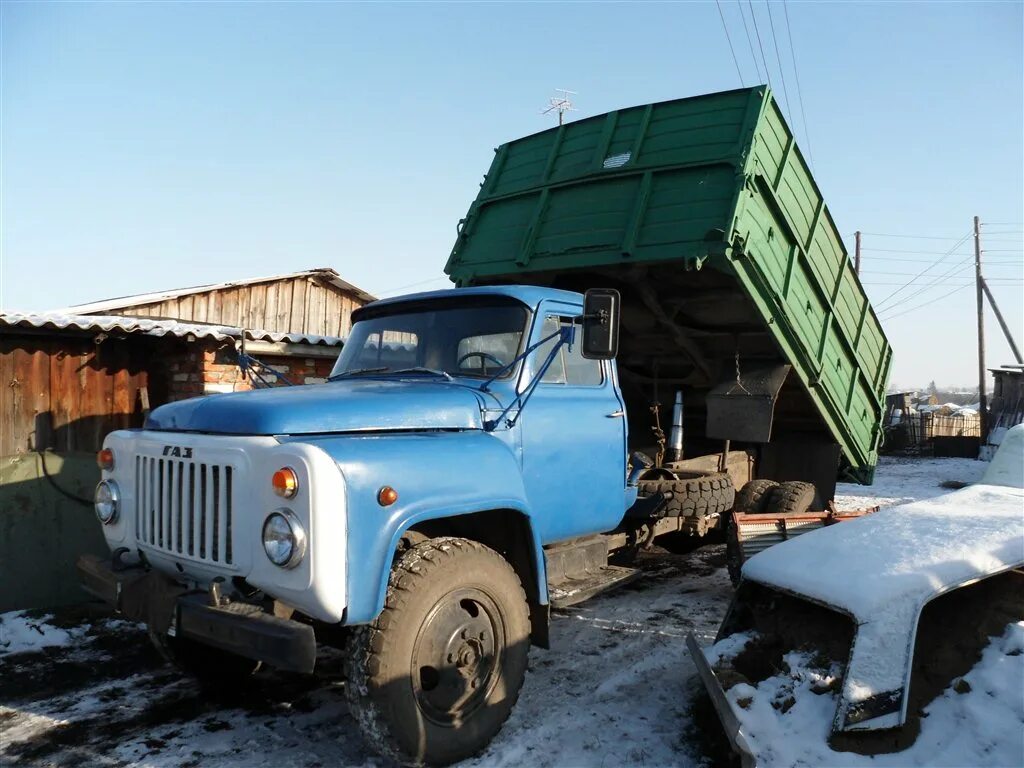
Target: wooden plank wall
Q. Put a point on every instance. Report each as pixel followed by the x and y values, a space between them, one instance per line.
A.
pixel 296 305
pixel 67 393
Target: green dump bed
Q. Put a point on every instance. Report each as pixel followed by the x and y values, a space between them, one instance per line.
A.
pixel 686 198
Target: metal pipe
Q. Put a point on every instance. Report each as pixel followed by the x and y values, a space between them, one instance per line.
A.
pixel 676 435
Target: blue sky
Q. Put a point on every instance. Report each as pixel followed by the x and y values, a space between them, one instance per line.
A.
pixel 151 146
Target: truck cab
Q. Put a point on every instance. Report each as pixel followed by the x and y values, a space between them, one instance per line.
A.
pixel 403 507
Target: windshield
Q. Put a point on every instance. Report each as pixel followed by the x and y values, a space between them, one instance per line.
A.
pixel 442 337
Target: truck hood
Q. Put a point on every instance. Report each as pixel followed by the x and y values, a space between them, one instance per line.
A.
pixel 341 406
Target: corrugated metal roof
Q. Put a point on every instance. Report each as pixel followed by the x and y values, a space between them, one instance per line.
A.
pixel 61 321
pixel 326 274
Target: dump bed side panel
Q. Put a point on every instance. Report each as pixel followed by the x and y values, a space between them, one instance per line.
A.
pixel 711 182
pixel 637 185
pixel 789 256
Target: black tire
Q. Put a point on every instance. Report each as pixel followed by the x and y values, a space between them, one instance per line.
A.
pixel 434 677
pixel 209 666
pixel 699 496
pixel 791 498
pixel 752 498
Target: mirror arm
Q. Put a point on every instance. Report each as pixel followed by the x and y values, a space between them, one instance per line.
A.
pixel 523 399
pixel 501 371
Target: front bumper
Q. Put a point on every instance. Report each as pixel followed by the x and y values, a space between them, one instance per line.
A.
pixel 168 608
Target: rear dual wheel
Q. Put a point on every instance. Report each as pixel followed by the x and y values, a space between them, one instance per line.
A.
pixel 765 497
pixel 793 497
pixel 434 677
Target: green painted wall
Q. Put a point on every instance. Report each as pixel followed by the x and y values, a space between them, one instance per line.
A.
pixel 42 530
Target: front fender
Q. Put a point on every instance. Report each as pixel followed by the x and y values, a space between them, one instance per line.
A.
pixel 437 475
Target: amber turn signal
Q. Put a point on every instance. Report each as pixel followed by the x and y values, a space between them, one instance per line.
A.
pixel 285 482
pixel 105 459
pixel 387 496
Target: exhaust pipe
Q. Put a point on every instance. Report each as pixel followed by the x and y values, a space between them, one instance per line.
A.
pixel 676 436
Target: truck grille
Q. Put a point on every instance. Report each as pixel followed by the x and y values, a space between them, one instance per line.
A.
pixel 185 507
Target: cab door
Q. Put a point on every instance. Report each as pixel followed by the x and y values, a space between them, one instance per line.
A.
pixel 573 436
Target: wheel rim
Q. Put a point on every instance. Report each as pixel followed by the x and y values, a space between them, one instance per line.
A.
pixel 457 656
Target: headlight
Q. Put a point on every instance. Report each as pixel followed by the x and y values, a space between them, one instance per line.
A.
pixel 106 500
pixel 284 541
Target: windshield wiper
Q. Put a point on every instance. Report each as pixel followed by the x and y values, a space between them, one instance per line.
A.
pixel 357 372
pixel 421 369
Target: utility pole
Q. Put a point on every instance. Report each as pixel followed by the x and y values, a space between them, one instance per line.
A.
pixel 979 281
pixel 856 252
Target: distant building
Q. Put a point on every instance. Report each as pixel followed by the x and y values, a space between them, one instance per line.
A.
pixel 1005 406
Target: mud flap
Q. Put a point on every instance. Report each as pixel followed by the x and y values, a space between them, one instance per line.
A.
pixel 730 723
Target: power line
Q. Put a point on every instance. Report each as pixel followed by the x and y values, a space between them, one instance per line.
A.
pixel 413 285
pixel 729 40
pixel 926 269
pixel 750 42
pixel 900 250
pixel 957 268
pixel 778 59
pixel 930 301
pixel 912 237
pixel 887 259
pixel 873 273
pixel 757 33
pixel 799 91
pixel 989 280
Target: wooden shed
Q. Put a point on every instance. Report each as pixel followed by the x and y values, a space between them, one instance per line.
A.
pixel 314 302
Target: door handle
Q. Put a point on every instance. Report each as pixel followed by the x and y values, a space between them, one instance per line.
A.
pixel 615 414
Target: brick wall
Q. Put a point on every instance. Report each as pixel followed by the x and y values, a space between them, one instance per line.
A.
pixel 210 369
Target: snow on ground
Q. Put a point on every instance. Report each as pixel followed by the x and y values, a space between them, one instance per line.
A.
pixel 977 721
pixel 615 689
pixel 900 479
pixel 20 633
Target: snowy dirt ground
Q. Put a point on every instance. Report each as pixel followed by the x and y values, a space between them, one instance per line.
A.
pixel 616 689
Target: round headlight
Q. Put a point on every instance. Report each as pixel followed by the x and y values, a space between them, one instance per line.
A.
pixel 284 541
pixel 106 500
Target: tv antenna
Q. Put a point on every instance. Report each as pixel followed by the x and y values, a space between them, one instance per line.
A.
pixel 560 104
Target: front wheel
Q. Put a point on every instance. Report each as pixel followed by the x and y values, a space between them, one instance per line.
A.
pixel 434 677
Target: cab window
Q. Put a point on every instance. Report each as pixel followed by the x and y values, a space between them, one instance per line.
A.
pixel 569 366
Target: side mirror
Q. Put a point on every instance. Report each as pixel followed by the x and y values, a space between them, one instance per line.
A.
pixel 601 308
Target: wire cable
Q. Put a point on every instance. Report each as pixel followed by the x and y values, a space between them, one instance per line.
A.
pixel 413 285
pixel 927 269
pixel 778 59
pixel 925 304
pixel 900 250
pixel 799 91
pixel 911 237
pixel 757 33
pixel 729 40
pixel 750 43
pixel 956 269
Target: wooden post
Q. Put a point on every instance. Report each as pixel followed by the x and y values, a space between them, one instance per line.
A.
pixel 856 252
pixel 978 280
